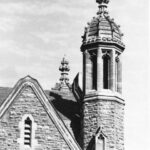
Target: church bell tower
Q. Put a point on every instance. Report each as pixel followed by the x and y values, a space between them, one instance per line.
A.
pixel 103 105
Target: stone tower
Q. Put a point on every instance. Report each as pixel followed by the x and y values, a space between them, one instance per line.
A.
pixel 103 105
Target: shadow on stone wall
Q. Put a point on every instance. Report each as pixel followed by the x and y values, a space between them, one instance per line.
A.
pixel 91 145
pixel 69 109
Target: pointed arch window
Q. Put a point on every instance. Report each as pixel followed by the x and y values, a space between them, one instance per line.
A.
pixel 27 132
pixel 100 140
pixel 106 71
pixel 94 71
pixel 100 145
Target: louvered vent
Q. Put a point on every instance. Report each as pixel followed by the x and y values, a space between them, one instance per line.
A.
pixel 27 132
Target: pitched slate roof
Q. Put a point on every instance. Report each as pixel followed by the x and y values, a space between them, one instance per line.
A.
pixel 4 92
pixel 68 108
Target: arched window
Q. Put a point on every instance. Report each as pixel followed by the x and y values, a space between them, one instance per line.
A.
pixel 94 72
pixel 106 71
pixel 27 132
pixel 100 140
pixel 100 144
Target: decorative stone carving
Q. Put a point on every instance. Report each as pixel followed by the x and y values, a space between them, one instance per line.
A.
pixel 102 1
pixel 64 68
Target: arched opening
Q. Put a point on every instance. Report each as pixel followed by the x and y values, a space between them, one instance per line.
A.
pixel 27 128
pixel 106 71
pixel 94 72
pixel 100 143
pixel 27 132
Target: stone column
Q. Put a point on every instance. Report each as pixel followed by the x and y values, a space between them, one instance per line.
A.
pixel 119 83
pixel 88 72
pixel 112 71
pixel 99 70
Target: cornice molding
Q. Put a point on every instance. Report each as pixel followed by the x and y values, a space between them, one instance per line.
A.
pixel 94 43
pixel 105 95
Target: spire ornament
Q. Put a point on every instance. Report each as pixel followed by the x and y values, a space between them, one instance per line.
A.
pixel 64 68
pixel 102 6
pixel 102 1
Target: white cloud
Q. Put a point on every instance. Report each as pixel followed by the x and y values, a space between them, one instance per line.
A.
pixel 50 36
pixel 9 23
pixel 43 7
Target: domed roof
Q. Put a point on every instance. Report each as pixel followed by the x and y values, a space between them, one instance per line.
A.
pixel 102 27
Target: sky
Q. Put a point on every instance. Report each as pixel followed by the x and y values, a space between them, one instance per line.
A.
pixel 36 34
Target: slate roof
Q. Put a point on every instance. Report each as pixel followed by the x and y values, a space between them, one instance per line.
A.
pixel 58 99
pixel 4 92
pixel 105 26
pixel 68 108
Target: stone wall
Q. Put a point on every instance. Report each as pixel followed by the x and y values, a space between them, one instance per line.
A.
pixel 106 114
pixel 46 134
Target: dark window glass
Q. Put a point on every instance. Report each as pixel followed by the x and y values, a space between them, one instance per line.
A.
pixel 94 72
pixel 106 70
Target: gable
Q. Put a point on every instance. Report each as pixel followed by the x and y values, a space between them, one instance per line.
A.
pixel 29 98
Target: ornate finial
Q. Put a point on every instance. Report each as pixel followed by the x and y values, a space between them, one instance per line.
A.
pixel 102 6
pixel 102 1
pixel 64 68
